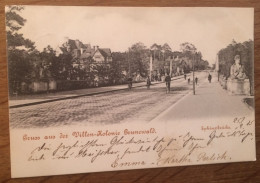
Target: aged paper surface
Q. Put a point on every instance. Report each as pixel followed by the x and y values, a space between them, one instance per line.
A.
pixel 103 89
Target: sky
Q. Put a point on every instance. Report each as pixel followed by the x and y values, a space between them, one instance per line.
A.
pixel 117 28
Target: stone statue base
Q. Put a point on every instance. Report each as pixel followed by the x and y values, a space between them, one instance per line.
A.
pixel 238 87
pixel 223 82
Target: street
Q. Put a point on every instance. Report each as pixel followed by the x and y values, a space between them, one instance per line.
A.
pixel 139 104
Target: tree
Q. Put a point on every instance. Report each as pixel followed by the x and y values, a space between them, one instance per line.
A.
pixel 14 22
pixel 188 49
pixel 166 49
pixel 49 63
pixel 138 59
pixel 64 66
pixel 19 49
pixel 156 51
pixel 119 66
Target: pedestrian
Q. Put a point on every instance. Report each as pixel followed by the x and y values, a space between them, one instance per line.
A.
pixel 148 83
pixel 168 83
pixel 185 76
pixel 209 78
pixel 196 80
pixel 188 80
pixel 129 80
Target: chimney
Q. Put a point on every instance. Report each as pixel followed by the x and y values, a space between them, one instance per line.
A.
pixel 96 48
pixel 66 39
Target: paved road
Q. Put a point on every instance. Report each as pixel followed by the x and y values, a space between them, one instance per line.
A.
pixel 210 102
pixel 139 104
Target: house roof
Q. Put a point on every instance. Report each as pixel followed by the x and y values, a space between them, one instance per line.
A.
pixel 85 55
pixel 88 48
pixel 79 44
pixel 74 44
pixel 63 49
pixel 105 52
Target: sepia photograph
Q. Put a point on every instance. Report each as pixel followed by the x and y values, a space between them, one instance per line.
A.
pixel 133 87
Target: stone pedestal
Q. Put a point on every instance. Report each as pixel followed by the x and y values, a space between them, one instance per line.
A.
pixel 238 87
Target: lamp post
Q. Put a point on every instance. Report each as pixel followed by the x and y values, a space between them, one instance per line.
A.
pixel 170 67
pixel 151 66
pixel 129 71
pixel 193 74
pixel 193 63
pixel 217 66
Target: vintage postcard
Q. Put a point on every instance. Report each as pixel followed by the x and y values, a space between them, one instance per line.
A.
pixel 115 88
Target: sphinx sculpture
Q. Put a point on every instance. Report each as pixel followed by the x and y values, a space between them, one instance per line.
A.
pixel 237 71
pixel 238 82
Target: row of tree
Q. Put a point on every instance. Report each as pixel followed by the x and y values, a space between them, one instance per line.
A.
pixel 136 60
pixel 27 64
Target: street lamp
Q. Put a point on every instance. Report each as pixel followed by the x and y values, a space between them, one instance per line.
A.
pixel 217 66
pixel 193 73
pixel 128 59
pixel 151 66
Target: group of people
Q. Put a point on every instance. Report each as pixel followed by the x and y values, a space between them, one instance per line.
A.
pixel 196 79
pixel 167 82
pixel 148 83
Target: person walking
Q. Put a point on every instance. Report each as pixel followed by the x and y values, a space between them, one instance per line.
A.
pixel 148 83
pixel 209 78
pixel 129 81
pixel 185 76
pixel 168 83
pixel 188 80
pixel 196 80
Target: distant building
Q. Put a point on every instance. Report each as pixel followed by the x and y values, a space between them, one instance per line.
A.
pixel 176 63
pixel 102 55
pixel 83 53
pixel 84 59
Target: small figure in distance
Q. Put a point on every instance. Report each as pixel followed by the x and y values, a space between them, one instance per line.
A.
pixel 129 81
pixel 185 76
pixel 188 80
pixel 148 83
pixel 196 80
pixel 209 78
pixel 168 83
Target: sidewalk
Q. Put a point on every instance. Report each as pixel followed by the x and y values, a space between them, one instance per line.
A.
pixel 210 101
pixel 35 99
